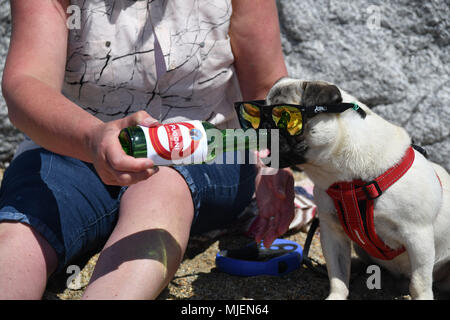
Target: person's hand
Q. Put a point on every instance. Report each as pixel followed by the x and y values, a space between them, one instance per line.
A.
pixel 113 165
pixel 275 200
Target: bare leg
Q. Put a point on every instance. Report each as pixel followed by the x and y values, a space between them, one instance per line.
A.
pixel 26 262
pixel 148 243
pixel 421 254
pixel 336 248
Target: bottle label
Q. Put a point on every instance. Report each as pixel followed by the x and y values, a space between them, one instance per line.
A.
pixel 177 143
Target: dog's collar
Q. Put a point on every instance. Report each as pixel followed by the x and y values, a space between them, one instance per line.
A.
pixel 354 202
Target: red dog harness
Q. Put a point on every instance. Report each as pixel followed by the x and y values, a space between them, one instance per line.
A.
pixel 354 202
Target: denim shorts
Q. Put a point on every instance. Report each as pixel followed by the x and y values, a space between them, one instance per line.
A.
pixel 66 202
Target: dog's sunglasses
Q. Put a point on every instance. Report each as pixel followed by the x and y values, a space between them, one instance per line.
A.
pixel 288 117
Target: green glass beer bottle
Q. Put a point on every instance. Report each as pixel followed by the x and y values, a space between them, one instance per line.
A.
pixel 189 142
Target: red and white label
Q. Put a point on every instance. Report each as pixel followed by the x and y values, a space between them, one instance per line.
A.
pixel 177 143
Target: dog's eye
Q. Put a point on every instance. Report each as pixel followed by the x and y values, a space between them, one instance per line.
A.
pixel 251 113
pixel 288 118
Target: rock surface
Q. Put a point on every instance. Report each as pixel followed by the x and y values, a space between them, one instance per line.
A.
pixel 393 56
pixel 9 136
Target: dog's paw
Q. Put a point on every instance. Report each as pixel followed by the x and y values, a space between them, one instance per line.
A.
pixel 336 296
pixel 338 289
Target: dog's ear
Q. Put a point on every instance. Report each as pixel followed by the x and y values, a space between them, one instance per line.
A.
pixel 319 93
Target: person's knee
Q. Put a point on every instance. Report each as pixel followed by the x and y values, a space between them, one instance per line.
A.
pixel 155 217
pixel 166 191
pixel 173 180
pixel 30 244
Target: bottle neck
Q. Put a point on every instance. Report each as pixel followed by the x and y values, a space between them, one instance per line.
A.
pixel 238 139
pixel 231 140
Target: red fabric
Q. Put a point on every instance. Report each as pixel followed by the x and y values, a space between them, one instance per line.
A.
pixel 359 226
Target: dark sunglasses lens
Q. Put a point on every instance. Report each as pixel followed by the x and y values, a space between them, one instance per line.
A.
pixel 249 116
pixel 288 118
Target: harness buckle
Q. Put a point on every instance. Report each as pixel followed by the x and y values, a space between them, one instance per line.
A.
pixel 368 192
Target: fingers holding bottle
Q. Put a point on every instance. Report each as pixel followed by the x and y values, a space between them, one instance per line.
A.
pixel 113 165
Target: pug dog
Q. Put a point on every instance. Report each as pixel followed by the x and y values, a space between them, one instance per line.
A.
pixel 411 217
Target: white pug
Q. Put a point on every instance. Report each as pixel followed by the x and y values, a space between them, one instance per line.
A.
pixel 413 213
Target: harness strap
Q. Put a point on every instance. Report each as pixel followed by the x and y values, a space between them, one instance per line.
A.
pixel 354 203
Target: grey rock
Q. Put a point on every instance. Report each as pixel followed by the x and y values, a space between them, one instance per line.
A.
pixel 393 56
pixel 9 135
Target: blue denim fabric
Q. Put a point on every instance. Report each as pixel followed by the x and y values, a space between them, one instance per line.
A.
pixel 66 202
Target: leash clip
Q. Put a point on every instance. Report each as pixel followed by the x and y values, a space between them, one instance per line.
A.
pixel 369 192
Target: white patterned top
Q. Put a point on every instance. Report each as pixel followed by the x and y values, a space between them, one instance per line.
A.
pixel 171 58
